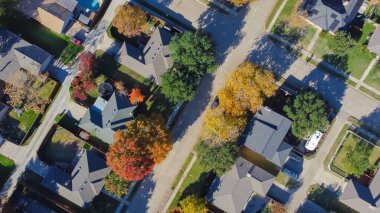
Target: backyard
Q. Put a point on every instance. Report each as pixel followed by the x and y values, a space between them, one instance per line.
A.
pixel 17 124
pixel 292 27
pixel 353 146
pixel 6 167
pixel 61 147
pixel 196 182
pixel 326 199
pixel 355 61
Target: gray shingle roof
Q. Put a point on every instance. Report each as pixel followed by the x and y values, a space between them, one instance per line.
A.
pixel 265 133
pixel 57 10
pixel 331 15
pixel 85 181
pixel 232 191
pixel 16 54
pixel 153 60
pixel 117 112
pixel 374 42
pixel 362 198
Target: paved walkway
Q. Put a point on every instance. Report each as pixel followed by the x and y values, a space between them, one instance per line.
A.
pixel 12 151
pixel 315 38
pixel 369 68
pixel 179 184
pixel 278 12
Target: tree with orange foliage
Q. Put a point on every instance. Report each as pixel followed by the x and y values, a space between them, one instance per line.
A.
pixel 134 153
pixel 135 96
pixel 246 89
pixel 129 20
pixel 128 159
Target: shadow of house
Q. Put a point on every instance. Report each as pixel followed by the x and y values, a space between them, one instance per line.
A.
pixel 200 187
pixel 85 181
pixel 264 135
pixel 243 188
pixel 226 31
pixel 153 60
pixel 372 120
pixel 104 118
pixel 331 15
pixel 17 57
pixel 140 200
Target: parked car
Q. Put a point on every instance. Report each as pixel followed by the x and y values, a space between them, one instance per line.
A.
pixel 313 142
pixel 290 173
pixel 215 103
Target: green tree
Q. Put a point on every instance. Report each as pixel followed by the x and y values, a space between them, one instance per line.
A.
pixel 7 10
pixel 341 43
pixel 116 184
pixel 219 158
pixel 193 204
pixel 176 88
pixel 356 161
pixel 193 54
pixel 308 112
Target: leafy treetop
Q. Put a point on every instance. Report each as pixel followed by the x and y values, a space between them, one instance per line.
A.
pixel 129 20
pixel 193 204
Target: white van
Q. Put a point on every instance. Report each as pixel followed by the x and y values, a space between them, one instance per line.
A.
pixel 312 143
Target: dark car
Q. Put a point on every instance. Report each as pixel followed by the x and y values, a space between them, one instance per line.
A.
pixel 215 103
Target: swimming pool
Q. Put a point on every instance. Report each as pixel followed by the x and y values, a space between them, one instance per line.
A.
pixel 93 5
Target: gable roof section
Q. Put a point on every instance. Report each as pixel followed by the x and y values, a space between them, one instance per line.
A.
pixel 117 112
pixel 85 181
pixel 232 191
pixel 265 133
pixel 374 42
pixel 362 198
pixel 153 60
pixel 16 54
pixel 331 15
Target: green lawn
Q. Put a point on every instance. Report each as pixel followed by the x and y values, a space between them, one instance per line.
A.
pixel 336 145
pixel 197 182
pixel 370 93
pixel 37 34
pixel 6 167
pixel 357 59
pixel 373 78
pixel 45 89
pixel 285 180
pixel 70 53
pixel 62 146
pixel 326 199
pixel 353 140
pixel 306 30
pixel 180 173
pixel 273 13
pixel 16 126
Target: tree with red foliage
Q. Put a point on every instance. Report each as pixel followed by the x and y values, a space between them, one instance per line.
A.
pixel 127 159
pixel 135 96
pixel 135 151
pixel 86 61
pixel 81 83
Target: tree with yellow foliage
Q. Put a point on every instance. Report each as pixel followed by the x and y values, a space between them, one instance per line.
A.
pixel 239 3
pixel 193 204
pixel 246 89
pixel 220 127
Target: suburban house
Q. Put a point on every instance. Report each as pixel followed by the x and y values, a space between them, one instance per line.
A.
pixel 85 181
pixel 104 118
pixel 331 15
pixel 243 188
pixel 374 42
pixel 362 198
pixel 17 57
pixel 264 135
pixel 151 61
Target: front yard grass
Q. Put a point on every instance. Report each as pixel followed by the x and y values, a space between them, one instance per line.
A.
pixel 45 89
pixel 353 140
pixel 17 127
pixel 273 13
pixel 196 182
pixel 70 53
pixel 285 180
pixel 326 199
pixel 6 167
pixel 373 78
pixel 62 146
pixel 356 60
pixel 288 15
pixel 370 93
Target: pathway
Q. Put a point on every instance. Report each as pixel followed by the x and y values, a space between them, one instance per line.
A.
pixel 278 12
pixel 12 151
pixel 369 68
pixel 179 184
pixel 315 38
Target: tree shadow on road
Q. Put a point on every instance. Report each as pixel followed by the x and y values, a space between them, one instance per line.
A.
pixel 372 120
pixel 226 30
pixel 144 191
